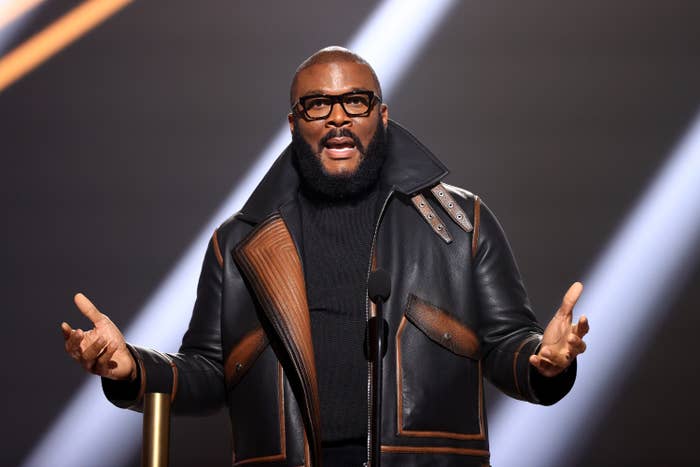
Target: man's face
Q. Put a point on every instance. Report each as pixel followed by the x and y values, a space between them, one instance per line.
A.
pixel 338 155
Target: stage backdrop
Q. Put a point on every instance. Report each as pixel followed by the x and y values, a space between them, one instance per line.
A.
pixel 118 149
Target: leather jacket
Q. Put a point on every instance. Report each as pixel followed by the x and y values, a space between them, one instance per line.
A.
pixel 458 311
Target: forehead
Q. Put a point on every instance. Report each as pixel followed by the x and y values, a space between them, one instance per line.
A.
pixel 334 78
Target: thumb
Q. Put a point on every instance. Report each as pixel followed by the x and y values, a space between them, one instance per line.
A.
pixel 87 308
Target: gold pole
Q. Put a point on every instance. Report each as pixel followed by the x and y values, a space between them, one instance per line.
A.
pixel 156 430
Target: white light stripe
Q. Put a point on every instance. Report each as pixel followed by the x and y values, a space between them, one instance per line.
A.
pixel 13 9
pixel 89 426
pixel 395 34
pixel 14 15
pixel 625 296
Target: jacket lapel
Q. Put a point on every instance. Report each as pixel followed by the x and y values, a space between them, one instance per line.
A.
pixel 270 263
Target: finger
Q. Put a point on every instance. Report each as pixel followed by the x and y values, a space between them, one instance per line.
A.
pixel 102 365
pixel 578 348
pixel 91 353
pixel 546 354
pixel 581 327
pixel 573 340
pixel 66 329
pixel 73 343
pixel 87 308
pixel 542 365
pixel 558 357
pixel 536 361
pixel 545 357
pixel 545 367
pixel 570 298
pixel 89 337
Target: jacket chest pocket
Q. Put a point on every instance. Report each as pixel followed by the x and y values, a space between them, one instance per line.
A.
pixel 439 384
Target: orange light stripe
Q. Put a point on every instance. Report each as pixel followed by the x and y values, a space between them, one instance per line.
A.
pixel 59 34
pixel 15 9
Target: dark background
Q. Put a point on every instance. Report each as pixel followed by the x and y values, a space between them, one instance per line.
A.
pixel 116 151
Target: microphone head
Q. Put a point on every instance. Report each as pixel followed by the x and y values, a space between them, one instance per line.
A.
pixel 379 285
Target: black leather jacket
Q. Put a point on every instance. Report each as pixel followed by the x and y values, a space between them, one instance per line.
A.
pixel 457 311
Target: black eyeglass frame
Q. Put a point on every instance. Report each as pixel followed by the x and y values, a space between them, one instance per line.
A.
pixel 338 99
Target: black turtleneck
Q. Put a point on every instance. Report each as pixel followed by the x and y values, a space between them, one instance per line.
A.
pixel 337 238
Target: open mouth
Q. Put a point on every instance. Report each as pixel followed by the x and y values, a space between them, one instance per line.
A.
pixel 339 147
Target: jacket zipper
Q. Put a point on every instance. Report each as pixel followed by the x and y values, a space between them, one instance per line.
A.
pixel 370 461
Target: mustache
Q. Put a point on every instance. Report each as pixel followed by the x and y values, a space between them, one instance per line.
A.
pixel 342 133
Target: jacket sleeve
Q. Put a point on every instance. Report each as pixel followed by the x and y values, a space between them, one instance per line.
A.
pixel 194 376
pixel 509 332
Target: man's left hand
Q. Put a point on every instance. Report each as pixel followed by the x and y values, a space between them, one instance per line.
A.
pixel 562 341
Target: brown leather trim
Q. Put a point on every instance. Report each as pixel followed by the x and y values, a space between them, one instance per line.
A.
pixel 270 262
pixel 217 248
pixel 482 428
pixel 451 207
pixel 283 432
pixel 434 450
pixel 243 355
pixel 431 217
pixel 515 362
pixel 442 328
pixel 307 452
pixel 477 218
pixel 399 403
pixel 173 368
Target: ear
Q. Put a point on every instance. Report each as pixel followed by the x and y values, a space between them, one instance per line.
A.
pixel 290 119
pixel 384 114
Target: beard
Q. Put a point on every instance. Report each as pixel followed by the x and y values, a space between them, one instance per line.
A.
pixel 316 181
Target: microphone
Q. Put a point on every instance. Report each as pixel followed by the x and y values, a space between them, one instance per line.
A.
pixel 379 285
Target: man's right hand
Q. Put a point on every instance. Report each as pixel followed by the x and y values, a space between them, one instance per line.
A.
pixel 101 350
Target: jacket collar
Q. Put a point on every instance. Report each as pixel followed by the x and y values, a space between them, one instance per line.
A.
pixel 408 168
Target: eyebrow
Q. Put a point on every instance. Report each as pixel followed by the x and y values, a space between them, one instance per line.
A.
pixel 318 92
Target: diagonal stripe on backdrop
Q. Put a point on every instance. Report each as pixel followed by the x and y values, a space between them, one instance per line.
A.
pixel 55 37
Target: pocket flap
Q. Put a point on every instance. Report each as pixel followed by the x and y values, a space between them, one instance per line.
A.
pixel 442 328
pixel 243 355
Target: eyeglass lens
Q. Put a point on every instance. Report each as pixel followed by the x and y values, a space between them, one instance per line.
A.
pixel 353 104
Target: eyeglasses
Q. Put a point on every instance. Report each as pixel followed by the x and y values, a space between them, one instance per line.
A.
pixel 320 106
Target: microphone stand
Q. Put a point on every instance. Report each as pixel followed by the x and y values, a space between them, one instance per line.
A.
pixel 379 290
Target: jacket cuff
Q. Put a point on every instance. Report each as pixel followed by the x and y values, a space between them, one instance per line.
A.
pixel 522 367
pixel 156 372
pixel 548 391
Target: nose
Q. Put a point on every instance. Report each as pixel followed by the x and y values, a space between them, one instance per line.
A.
pixel 337 118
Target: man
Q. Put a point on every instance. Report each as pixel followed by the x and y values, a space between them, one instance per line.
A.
pixel 278 329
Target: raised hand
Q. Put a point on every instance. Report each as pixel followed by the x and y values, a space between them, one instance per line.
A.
pixel 101 350
pixel 562 341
